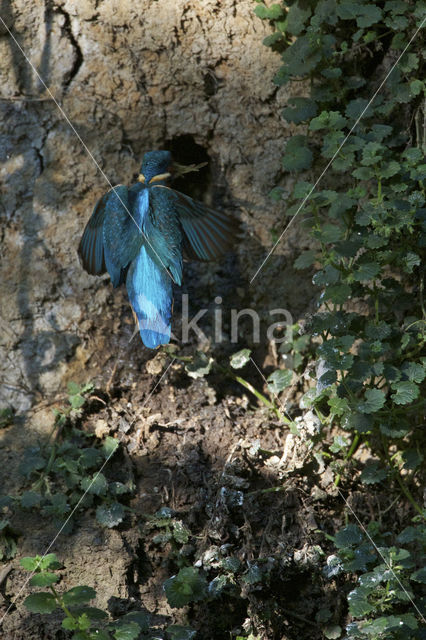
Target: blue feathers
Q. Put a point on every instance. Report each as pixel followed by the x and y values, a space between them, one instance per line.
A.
pixel 150 293
pixel 140 234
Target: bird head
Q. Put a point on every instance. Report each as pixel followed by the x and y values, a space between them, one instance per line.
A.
pixel 156 166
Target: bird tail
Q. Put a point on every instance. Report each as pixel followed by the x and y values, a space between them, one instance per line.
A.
pixel 150 292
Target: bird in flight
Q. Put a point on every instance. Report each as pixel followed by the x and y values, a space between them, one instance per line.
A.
pixel 140 235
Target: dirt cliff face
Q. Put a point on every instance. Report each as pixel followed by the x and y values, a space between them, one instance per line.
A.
pixel 192 77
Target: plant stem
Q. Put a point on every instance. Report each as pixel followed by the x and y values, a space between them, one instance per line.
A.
pixel 348 456
pixel 405 490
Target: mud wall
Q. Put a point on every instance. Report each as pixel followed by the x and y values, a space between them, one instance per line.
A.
pixel 130 76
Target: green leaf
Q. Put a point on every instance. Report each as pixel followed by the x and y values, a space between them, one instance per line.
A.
pixel 419 576
pixel 90 457
pixel 109 446
pixel 73 388
pixel 110 515
pixel 405 392
pixel 301 110
pixel 359 605
pixel 328 120
pixel 339 443
pixel 356 107
pixel 69 624
pixel 348 536
pixel 41 603
pixel 78 595
pixel 6 417
pixel 180 632
pixel 96 484
pixel 239 359
pixel 297 18
pixel 127 631
pixel 414 371
pixel 30 563
pixel 200 365
pixel 372 473
pixel 77 401
pixel 274 12
pixel 93 613
pixel 332 631
pixel 50 561
pixel 306 259
pixel 411 458
pixel 185 587
pixel 374 400
pixel 180 532
pixel 43 579
pixel 297 155
pixel 279 380
pixel 30 499
pixel 338 293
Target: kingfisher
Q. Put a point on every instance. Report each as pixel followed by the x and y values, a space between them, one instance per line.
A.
pixel 141 234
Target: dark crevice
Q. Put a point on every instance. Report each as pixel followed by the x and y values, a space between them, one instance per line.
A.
pixel 78 55
pixel 186 151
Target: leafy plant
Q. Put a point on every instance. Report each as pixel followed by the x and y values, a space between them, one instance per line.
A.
pixel 86 622
pixel 67 467
pixel 390 580
pixel 370 232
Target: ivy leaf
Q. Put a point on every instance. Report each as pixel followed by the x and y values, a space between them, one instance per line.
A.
pixel 412 459
pixel 77 401
pixel 306 259
pixel 239 359
pixel 366 271
pixel 279 380
pixel 419 576
pixel 126 631
pixel 50 561
pixel 405 392
pixel 41 603
pixel 301 109
pixel 78 595
pixel 96 484
pixel 109 446
pixel 338 294
pixel 92 613
pixel 297 17
pixel 110 515
pixel 372 473
pixel 30 499
pixel 356 107
pixel 185 587
pixel 348 536
pixel 297 155
pixel 374 400
pixel 413 371
pixel 274 12
pixel 328 120
pixel 73 388
pixel 200 365
pixel 43 579
pixel 359 605
pixel 180 632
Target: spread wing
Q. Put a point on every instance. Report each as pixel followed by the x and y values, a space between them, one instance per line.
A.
pixel 91 247
pixel 207 233
pixel 122 230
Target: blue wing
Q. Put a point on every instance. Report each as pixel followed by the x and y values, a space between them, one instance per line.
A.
pixel 150 292
pixel 123 229
pixel 207 234
pixel 91 247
